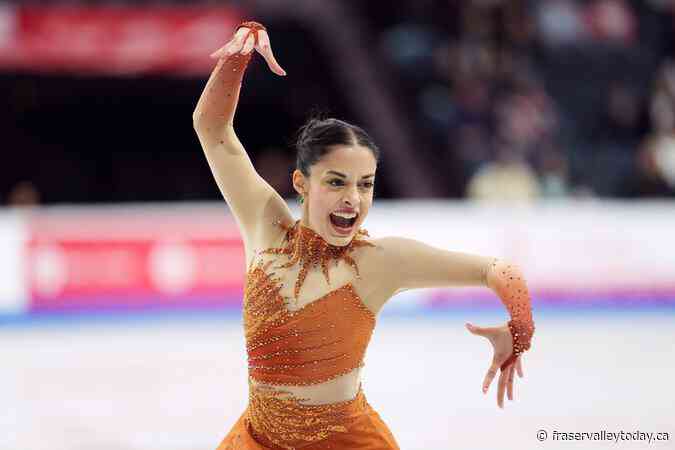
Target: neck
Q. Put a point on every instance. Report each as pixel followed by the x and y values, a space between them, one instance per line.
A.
pixel 308 248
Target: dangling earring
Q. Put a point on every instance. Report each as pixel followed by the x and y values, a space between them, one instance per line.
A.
pixel 301 199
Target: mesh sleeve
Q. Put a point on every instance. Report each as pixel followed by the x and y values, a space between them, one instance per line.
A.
pixel 509 284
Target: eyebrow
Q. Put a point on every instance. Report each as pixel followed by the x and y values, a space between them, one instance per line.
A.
pixel 339 174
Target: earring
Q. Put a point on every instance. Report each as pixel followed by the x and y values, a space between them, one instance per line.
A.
pixel 301 199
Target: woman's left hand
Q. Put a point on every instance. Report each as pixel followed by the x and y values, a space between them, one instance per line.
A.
pixel 502 344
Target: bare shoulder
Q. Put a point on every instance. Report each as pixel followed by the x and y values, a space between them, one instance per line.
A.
pixel 379 257
pixel 381 268
pixel 388 247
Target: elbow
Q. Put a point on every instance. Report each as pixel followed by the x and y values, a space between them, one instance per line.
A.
pixel 197 119
pixel 204 123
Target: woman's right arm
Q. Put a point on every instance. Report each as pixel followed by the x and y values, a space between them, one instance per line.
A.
pixel 253 202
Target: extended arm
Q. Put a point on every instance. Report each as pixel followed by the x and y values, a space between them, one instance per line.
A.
pixel 413 264
pixel 253 202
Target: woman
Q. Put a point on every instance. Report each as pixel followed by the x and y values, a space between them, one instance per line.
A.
pixel 315 286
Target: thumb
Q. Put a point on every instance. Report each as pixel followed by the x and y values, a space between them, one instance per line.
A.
pixel 486 332
pixel 474 329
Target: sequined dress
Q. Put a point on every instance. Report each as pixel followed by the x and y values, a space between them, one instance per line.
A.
pixel 322 340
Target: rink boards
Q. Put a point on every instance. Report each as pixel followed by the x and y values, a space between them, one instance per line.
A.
pixel 190 256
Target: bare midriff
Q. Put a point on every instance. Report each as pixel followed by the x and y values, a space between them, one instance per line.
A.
pixel 344 387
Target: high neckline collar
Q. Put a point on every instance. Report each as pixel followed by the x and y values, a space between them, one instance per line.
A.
pixel 308 248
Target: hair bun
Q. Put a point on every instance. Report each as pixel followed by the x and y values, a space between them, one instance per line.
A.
pixel 319 134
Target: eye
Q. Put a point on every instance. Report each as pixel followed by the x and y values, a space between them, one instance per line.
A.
pixel 336 182
pixel 368 184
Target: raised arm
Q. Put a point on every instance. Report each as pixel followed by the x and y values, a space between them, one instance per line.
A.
pixel 253 202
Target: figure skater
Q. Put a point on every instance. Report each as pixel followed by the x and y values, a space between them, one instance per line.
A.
pixel 314 286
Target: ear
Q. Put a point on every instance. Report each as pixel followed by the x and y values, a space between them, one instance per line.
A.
pixel 300 182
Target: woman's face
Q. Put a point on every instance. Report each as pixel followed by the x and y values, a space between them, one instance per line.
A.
pixel 338 192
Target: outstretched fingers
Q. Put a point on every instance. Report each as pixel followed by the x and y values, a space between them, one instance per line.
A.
pixel 237 43
pixel 490 375
pixel 234 46
pixel 248 44
pixel 503 378
pixel 264 47
pixel 509 383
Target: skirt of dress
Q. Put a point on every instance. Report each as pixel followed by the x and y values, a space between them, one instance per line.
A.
pixel 274 423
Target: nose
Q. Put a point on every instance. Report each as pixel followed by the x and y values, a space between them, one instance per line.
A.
pixel 351 197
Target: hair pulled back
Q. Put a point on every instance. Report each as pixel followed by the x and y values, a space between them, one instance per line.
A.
pixel 316 137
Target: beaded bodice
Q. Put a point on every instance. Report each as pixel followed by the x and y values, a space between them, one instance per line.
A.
pixel 325 338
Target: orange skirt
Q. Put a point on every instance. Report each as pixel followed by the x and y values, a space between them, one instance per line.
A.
pixel 277 421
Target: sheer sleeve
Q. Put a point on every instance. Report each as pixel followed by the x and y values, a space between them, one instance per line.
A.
pixel 218 104
pixel 509 284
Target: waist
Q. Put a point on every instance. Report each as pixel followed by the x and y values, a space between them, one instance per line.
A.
pixel 280 419
pixel 338 389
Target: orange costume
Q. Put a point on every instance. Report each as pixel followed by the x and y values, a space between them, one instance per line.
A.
pixel 328 336
pixel 322 340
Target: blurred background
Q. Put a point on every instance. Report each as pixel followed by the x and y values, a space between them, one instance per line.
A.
pixel 541 131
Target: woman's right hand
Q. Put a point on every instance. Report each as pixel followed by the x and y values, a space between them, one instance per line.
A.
pixel 243 43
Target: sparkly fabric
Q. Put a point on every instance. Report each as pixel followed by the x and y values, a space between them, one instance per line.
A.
pixel 253 27
pixel 278 417
pixel 287 424
pixel 224 85
pixel 322 340
pixel 310 250
pixel 509 284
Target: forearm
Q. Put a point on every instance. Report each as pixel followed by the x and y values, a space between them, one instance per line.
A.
pixel 216 107
pixel 507 281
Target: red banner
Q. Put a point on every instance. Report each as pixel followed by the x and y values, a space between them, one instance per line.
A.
pixel 113 39
pixel 133 260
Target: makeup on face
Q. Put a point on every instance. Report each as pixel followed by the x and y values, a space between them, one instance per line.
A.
pixel 344 218
pixel 342 197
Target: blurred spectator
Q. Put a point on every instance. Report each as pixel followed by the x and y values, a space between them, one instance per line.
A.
pixel 622 113
pixel 559 83
pixel 612 21
pixel 663 153
pixel 525 118
pixel 24 193
pixel 507 179
pixel 560 22
pixel 655 171
pixel 655 161
pixel 554 173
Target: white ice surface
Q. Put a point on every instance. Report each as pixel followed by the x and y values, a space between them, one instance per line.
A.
pixel 181 384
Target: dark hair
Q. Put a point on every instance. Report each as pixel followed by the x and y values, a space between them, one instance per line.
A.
pixel 315 138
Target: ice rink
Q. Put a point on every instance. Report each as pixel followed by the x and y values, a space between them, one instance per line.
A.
pixel 177 381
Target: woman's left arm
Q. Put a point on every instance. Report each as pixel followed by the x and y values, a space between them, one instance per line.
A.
pixel 414 264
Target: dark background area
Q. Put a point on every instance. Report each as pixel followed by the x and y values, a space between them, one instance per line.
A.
pixel 478 84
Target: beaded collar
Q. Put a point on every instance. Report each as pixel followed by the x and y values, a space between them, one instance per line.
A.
pixel 310 250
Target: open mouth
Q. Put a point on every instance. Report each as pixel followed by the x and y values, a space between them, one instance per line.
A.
pixel 343 222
